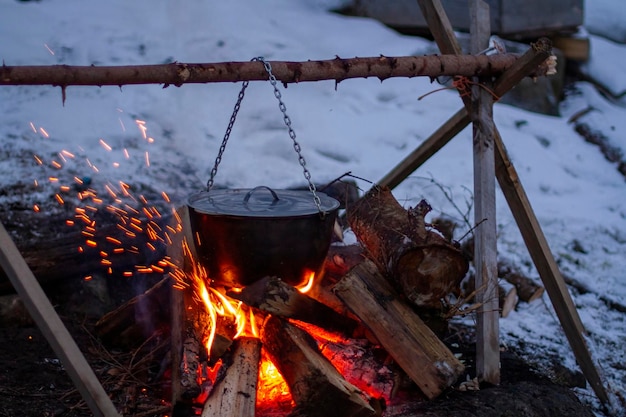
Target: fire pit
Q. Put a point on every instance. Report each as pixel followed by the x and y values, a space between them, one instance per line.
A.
pixel 268 342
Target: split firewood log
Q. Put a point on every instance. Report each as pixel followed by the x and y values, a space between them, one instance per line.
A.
pixel 527 289
pixel 414 347
pixel 421 264
pixel 235 395
pixel 507 300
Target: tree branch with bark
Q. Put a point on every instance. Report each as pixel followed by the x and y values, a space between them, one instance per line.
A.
pixel 337 69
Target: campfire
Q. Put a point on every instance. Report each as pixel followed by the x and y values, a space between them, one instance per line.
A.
pixel 336 343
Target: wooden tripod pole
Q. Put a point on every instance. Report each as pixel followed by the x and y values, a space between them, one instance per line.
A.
pixel 53 329
pixel 485 237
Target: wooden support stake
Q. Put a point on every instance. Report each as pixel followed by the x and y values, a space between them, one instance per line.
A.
pixel 53 329
pixel 416 349
pixel 485 243
pixel 546 265
pixel 235 395
pixel 177 308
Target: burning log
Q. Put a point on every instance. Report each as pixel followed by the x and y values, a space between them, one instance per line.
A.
pixel 235 395
pixel 358 362
pixel 419 262
pixel 416 349
pixel 317 388
pixel 275 296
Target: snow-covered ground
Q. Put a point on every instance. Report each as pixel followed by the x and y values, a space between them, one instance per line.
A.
pixel 362 126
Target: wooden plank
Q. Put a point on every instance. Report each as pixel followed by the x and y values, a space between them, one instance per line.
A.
pixel 485 241
pixel 440 27
pixel 546 265
pixel 576 47
pixel 53 329
pixel 511 17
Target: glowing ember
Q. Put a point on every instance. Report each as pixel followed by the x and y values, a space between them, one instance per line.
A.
pixel 137 218
pixel 272 388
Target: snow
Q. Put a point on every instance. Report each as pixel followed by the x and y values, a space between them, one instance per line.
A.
pixel 362 126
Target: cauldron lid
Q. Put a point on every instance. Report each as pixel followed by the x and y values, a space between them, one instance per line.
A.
pixel 260 202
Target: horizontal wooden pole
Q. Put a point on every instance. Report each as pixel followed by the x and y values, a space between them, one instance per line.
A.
pixel 337 69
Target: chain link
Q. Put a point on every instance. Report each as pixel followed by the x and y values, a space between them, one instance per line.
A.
pixel 286 120
pixel 229 129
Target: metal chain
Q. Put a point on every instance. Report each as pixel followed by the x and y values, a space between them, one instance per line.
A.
pixel 229 129
pixel 286 119
pixel 292 133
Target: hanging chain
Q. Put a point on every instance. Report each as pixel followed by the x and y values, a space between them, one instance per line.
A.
pixel 292 134
pixel 231 123
pixel 286 119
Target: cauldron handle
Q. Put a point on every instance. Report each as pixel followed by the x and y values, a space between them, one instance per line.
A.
pixel 249 194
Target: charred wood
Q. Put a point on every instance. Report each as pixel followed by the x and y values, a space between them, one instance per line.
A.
pixel 190 368
pixel 357 361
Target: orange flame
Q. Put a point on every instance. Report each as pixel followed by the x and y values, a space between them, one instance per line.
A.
pixel 272 388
